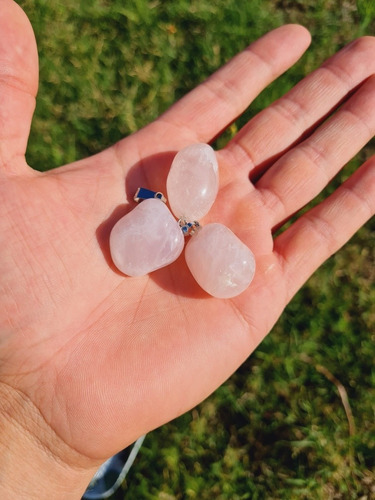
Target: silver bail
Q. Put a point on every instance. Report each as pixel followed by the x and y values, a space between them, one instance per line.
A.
pixel 145 194
pixel 189 228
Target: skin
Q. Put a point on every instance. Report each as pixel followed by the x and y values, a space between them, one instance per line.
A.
pixel 90 359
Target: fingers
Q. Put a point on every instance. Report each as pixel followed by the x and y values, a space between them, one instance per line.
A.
pixel 214 104
pixel 320 232
pixel 280 126
pixel 305 170
pixel 18 84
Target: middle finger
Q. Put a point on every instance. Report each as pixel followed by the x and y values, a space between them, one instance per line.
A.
pixel 298 176
pixel 277 128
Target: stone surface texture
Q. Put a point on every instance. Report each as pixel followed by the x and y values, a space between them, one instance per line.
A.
pixel 146 239
pixel 219 261
pixel 193 182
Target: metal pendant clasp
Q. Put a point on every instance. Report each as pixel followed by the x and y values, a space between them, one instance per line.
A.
pixel 189 228
pixel 145 194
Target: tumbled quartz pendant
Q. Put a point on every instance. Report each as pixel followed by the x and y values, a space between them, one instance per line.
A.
pixel 193 182
pixel 146 239
pixel 221 264
pixel 149 237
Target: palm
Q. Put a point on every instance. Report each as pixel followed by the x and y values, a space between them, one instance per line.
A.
pixel 105 331
pixel 93 350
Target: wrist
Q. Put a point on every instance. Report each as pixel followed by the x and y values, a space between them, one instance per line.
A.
pixel 34 462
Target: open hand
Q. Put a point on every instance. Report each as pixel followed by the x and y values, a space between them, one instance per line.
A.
pixel 91 359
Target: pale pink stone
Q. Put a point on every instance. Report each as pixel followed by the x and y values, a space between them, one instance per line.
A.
pixel 146 239
pixel 193 182
pixel 221 264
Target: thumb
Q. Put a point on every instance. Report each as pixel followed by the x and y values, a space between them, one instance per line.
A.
pixel 18 85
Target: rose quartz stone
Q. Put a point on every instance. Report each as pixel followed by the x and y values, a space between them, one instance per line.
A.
pixel 146 239
pixel 193 182
pixel 221 264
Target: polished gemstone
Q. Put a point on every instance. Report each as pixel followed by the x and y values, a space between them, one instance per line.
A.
pixel 219 261
pixel 193 182
pixel 146 239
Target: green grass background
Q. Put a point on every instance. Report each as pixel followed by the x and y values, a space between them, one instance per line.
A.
pixel 278 428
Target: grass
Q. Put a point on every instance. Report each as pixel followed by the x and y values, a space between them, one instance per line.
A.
pixel 279 428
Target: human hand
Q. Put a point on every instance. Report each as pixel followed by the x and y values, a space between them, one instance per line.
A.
pixel 91 359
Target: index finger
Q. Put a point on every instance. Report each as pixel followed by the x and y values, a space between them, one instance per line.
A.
pixel 214 104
